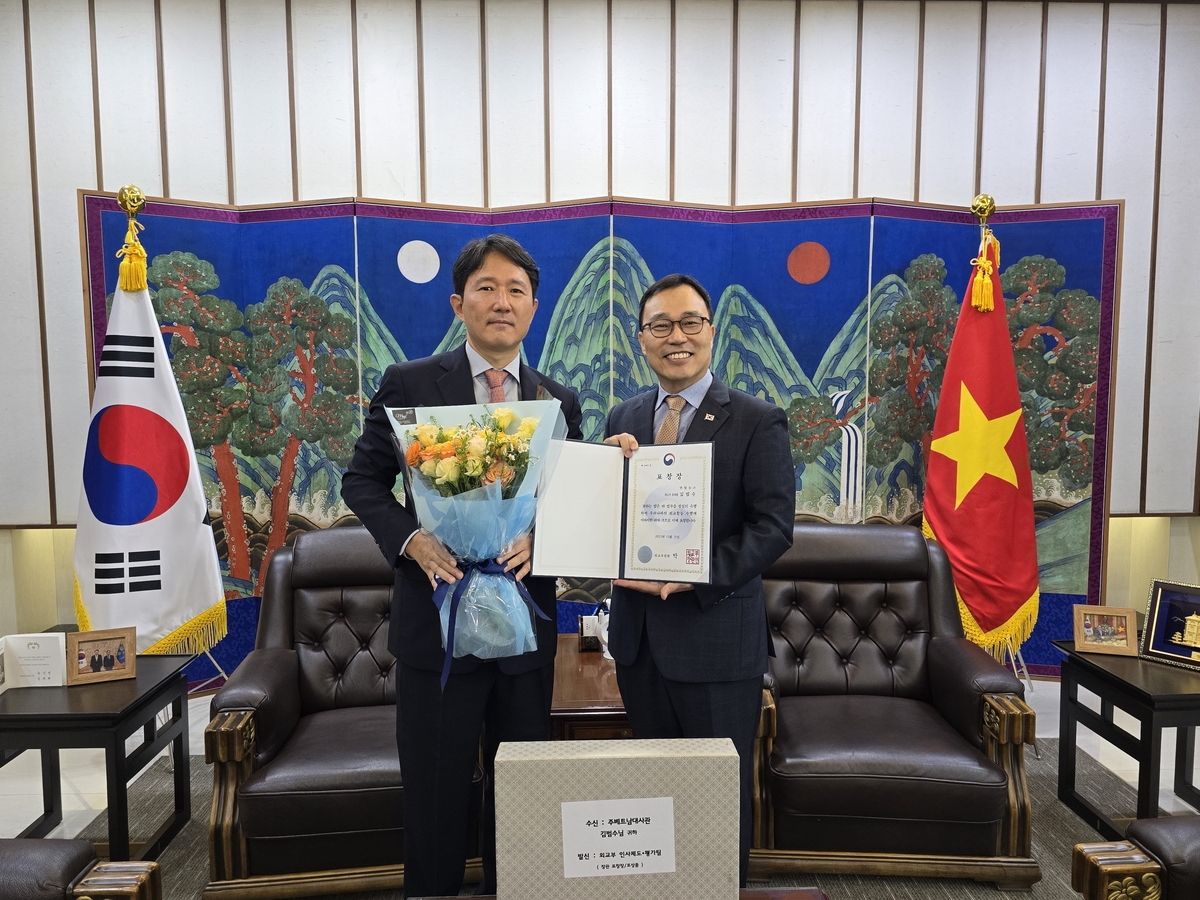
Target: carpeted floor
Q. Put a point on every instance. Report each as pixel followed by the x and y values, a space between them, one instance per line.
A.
pixel 1055 831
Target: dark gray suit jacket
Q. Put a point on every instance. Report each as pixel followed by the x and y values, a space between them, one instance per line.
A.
pixel 717 631
pixel 415 633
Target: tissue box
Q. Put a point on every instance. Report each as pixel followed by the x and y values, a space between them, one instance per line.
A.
pixel 604 820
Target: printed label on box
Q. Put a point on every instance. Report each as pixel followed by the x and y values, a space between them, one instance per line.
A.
pixel 618 837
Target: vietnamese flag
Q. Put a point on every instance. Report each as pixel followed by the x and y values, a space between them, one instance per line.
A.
pixel 978 488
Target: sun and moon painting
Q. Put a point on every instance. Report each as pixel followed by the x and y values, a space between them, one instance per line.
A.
pixel 842 315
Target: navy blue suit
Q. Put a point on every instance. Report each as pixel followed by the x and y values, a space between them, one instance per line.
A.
pixel 438 732
pixel 691 665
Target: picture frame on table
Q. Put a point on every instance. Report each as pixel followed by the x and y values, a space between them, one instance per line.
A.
pixel 1106 629
pixel 107 655
pixel 1172 633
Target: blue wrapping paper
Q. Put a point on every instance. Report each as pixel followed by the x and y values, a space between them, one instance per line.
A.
pixel 492 613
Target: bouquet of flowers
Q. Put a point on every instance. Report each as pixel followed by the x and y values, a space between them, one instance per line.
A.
pixel 473 474
pixel 456 460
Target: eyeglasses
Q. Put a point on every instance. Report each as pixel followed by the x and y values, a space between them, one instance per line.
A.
pixel 662 328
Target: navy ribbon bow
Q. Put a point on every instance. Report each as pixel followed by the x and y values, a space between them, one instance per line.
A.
pixel 468 568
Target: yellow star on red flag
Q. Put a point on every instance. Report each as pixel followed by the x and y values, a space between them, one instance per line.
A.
pixel 978 446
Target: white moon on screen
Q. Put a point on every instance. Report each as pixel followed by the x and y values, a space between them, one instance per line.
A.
pixel 418 261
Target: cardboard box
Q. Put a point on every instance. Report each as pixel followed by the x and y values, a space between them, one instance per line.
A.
pixel 605 820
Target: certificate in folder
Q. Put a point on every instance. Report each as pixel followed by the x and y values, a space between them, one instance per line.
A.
pixel 600 515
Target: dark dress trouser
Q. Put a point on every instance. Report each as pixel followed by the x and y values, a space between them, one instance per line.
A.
pixel 438 735
pixel 661 708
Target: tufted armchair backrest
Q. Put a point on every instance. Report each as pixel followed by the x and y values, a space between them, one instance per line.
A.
pixel 329 597
pixel 852 609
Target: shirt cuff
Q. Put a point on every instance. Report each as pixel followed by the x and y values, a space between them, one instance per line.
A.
pixel 404 546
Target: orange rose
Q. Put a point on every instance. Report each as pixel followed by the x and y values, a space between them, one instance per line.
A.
pixel 413 456
pixel 444 450
pixel 499 471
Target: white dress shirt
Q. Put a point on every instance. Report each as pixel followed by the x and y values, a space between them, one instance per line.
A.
pixel 693 395
pixel 479 365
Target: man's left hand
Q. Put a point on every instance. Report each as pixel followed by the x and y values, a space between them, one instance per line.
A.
pixel 627 442
pixel 518 556
pixel 662 588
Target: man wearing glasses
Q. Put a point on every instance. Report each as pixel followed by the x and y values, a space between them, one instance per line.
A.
pixel 690 658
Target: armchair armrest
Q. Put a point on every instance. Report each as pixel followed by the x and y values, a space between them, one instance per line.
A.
pixel 229 742
pixel 1008 725
pixel 763 827
pixel 131 880
pixel 771 686
pixel 960 674
pixel 253 716
pixel 1116 869
pixel 266 682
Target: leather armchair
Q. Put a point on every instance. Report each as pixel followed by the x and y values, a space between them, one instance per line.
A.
pixel 52 869
pixel 307 794
pixel 1159 859
pixel 889 743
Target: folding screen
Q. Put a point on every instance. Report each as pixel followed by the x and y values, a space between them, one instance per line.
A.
pixel 282 321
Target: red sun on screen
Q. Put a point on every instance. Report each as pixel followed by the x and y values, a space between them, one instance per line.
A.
pixel 808 262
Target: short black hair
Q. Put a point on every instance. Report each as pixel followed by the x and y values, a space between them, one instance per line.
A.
pixel 671 281
pixel 471 257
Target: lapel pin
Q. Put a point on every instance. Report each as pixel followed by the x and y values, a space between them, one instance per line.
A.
pixel 708 417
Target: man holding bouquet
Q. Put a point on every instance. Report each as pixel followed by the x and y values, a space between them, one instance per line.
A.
pixel 508 699
pixel 690 658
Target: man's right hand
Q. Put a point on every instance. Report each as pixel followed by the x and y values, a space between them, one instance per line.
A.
pixel 433 558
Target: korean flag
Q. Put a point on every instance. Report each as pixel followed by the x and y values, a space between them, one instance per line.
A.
pixel 144 551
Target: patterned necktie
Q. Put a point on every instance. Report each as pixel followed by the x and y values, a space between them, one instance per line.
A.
pixel 668 431
pixel 495 379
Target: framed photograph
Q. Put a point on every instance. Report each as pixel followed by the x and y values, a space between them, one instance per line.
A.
pixel 1106 629
pixel 101 655
pixel 1173 624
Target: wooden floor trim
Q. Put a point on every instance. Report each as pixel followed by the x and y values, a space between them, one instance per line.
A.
pixel 1006 871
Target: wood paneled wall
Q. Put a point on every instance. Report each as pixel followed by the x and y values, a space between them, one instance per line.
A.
pixel 509 102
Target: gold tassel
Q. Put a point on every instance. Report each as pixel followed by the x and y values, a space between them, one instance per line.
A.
pixel 197 634
pixel 194 636
pixel 132 274
pixel 82 619
pixel 982 291
pixel 1017 629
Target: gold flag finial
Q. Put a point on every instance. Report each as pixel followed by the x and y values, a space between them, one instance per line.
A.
pixel 131 199
pixel 981 287
pixel 983 206
pixel 132 274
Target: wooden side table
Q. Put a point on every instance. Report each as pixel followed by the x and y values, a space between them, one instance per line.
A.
pixel 1158 696
pixel 103 715
pixel 587 703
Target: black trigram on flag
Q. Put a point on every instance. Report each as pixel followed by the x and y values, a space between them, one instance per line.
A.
pixel 142 574
pixel 127 356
